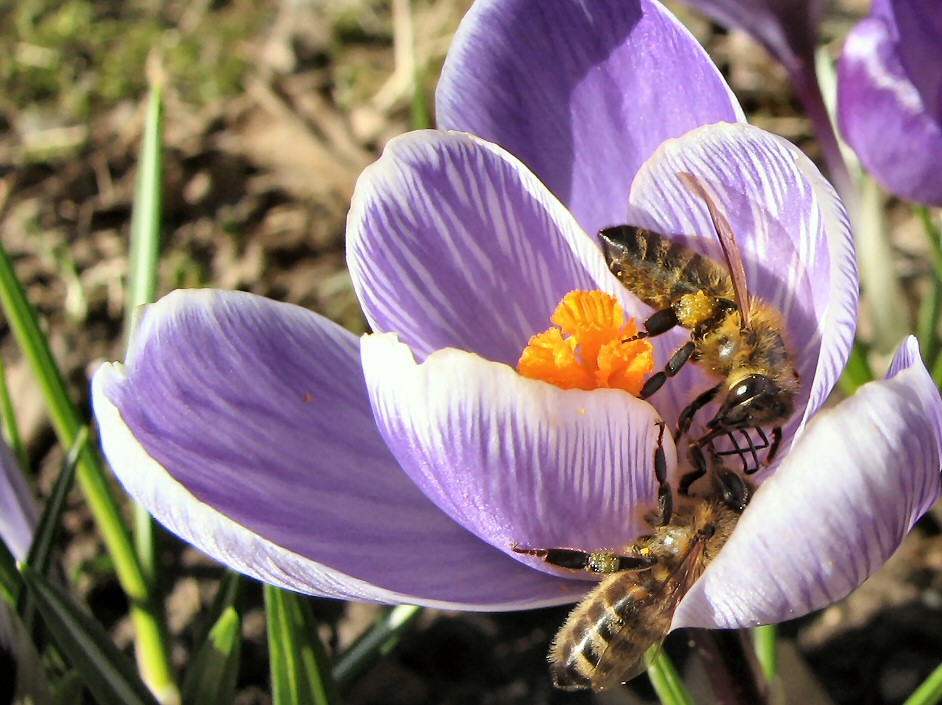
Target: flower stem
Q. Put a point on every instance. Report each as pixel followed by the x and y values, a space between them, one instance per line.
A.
pixel 930 691
pixel 666 681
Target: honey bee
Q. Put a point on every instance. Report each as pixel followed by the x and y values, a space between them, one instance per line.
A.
pixel 737 338
pixel 605 639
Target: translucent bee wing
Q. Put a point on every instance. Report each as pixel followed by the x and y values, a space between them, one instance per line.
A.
pixel 605 680
pixel 727 242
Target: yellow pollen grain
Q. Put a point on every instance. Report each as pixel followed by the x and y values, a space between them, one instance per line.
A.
pixel 587 349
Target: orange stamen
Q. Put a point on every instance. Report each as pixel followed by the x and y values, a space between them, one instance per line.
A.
pixel 587 349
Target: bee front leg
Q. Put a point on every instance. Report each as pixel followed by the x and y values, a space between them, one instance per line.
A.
pixel 686 416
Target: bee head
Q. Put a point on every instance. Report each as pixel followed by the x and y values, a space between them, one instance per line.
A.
pixel 754 400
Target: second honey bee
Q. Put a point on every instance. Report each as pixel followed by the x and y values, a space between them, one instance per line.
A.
pixel 737 338
pixel 606 637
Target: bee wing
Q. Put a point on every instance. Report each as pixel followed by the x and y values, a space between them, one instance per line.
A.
pixel 727 242
pixel 645 624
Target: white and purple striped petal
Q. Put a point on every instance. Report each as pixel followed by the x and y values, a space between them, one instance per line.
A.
pixel 452 242
pixel 838 507
pixel 581 92
pixel 515 460
pixel 244 426
pixel 791 228
pixel 889 96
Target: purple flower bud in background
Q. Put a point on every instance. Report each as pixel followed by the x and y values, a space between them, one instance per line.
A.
pixel 889 97
pixel 18 512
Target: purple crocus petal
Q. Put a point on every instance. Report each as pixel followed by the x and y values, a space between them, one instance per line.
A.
pixel 244 426
pixel 788 29
pixel 837 508
pixel 885 89
pixel 515 460
pixel 792 230
pixel 581 92
pixel 452 242
pixel 18 513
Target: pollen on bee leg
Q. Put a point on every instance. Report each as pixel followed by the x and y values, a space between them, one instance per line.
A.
pixel 587 349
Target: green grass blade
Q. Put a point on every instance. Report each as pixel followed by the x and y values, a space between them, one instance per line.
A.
pixel 142 281
pixel 9 577
pixel 40 550
pixel 106 672
pixel 858 372
pixel 31 682
pixel 227 593
pixel 377 641
pixel 211 675
pixel 667 683
pixel 300 673
pixel 10 428
pixel 766 642
pixel 930 692
pixel 145 612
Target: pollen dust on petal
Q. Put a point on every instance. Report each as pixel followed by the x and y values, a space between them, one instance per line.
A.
pixel 587 349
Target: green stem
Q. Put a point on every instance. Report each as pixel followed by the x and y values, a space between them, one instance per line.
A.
pixel 766 642
pixel 930 692
pixel 667 683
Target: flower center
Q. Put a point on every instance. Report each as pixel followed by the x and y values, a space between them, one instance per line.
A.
pixel 588 348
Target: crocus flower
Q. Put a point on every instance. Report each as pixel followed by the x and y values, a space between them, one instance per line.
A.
pixel 404 466
pixel 889 96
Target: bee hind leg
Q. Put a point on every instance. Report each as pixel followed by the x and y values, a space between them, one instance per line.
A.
pixel 595 562
pixel 673 366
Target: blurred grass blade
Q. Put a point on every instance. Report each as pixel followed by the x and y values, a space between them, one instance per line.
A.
pixel 146 214
pixel 766 643
pixel 40 549
pixel 884 295
pixel 107 674
pixel 10 428
pixel 930 692
pixel 226 595
pixel 377 641
pixel 667 683
pixel 30 683
pixel 44 538
pixel 69 689
pixel 211 675
pixel 300 672
pixel 145 611
pixel 9 577
pixel 858 372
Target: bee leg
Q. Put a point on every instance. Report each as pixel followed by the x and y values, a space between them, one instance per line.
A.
pixel 657 323
pixel 673 366
pixel 774 445
pixel 665 497
pixel 732 488
pixel 699 463
pixel 686 416
pixel 597 562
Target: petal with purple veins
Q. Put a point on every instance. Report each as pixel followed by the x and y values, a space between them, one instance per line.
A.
pixel 581 92
pixel 792 230
pixel 837 508
pixel 452 242
pixel 516 460
pixel 243 425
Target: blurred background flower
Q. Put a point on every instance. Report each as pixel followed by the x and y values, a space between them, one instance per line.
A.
pixel 890 96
